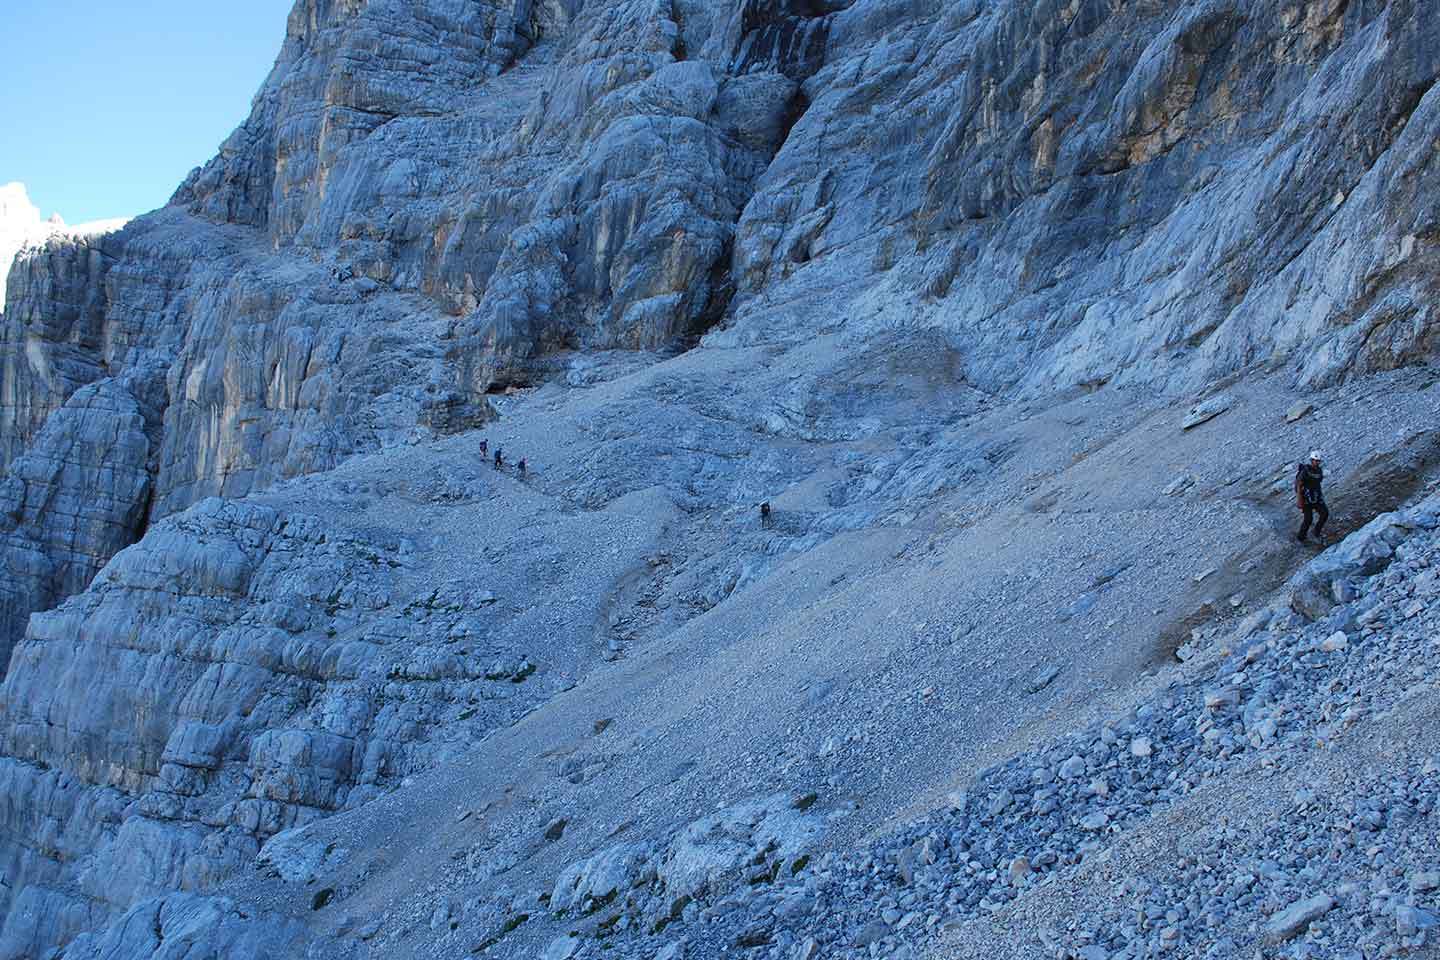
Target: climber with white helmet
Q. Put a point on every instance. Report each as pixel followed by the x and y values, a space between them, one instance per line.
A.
pixel 1310 498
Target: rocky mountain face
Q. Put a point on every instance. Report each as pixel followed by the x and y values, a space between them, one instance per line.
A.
pixel 923 274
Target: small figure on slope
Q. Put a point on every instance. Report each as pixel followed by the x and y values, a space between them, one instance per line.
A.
pixel 1310 497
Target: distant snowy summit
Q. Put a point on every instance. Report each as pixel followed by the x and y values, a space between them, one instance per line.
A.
pixel 21 226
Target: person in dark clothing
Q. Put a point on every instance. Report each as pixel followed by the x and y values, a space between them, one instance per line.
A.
pixel 484 447
pixel 1310 497
pixel 499 458
pixel 521 466
pixel 765 514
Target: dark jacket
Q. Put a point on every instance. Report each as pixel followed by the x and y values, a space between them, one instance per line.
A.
pixel 1307 484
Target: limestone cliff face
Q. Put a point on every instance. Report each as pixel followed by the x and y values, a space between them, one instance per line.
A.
pixel 248 668
pixel 436 199
pixel 408 218
pixel 79 495
pixel 1055 187
pixel 57 294
pixel 1082 193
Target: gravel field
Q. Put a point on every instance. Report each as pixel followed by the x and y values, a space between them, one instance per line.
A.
pixel 926 732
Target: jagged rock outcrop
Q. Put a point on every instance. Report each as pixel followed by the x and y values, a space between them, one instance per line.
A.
pixel 200 928
pixel 79 495
pixel 21 226
pixel 759 838
pixel 883 217
pixel 246 669
pixel 21 230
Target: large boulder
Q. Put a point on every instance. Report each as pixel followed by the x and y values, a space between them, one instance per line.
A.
pixel 1316 587
pixel 597 879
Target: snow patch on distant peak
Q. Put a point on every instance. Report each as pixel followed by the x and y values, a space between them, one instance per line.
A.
pixel 21 226
pixel 15 205
pixel 96 227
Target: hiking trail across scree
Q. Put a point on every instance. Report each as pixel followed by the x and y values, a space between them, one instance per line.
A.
pixel 1346 872
pixel 926 604
pixel 876 670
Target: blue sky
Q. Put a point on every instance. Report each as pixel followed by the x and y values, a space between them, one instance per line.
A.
pixel 106 105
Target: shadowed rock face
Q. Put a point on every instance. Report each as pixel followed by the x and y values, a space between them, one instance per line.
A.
pixel 435 200
pixel 788 36
pixel 78 495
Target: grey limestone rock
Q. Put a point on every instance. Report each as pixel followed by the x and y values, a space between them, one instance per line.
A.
pixel 940 206
pixel 1296 917
pixel 600 877
pixel 562 947
pixel 1299 411
pixel 768 837
pixel 20 226
pixel 201 928
pixel 1366 552
pixel 242 671
pixel 711 851
pixel 1206 410
pixel 79 494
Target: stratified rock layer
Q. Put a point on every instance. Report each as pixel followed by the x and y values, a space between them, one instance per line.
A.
pixel 245 669
pixel 77 496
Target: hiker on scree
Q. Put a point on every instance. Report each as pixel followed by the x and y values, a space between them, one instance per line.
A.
pixel 1310 498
